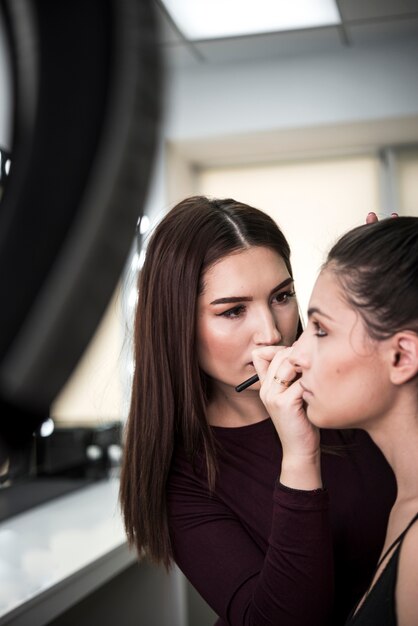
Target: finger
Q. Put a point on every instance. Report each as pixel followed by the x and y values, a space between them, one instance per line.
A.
pixel 371 218
pixel 262 357
pixel 279 399
pixel 283 372
pixel 281 361
pixel 293 393
pixel 278 377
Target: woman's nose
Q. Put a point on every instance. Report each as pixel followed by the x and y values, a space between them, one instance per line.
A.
pixel 267 333
pixel 299 356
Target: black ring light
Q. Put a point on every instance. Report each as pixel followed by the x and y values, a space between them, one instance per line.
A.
pixel 87 93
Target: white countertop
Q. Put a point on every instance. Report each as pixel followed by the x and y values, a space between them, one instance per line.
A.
pixel 56 553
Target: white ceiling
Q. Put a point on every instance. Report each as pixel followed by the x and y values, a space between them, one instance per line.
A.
pixel 364 22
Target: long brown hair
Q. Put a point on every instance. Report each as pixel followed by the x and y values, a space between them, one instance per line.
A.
pixel 169 393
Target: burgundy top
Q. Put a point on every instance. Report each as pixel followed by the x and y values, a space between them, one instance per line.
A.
pixel 262 554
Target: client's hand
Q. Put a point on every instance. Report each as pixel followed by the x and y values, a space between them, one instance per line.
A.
pixel 372 217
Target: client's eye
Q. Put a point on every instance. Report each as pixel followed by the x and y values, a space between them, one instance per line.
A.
pixel 319 331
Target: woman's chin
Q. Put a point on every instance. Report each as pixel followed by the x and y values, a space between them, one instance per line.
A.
pixel 324 421
pixel 318 420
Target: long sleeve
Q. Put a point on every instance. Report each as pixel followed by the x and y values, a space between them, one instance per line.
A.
pixel 288 583
pixel 261 554
pixel 295 585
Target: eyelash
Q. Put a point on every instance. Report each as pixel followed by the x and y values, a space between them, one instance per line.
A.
pixel 320 332
pixel 237 311
pixel 233 313
pixel 285 296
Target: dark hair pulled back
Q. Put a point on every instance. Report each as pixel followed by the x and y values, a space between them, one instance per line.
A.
pixel 377 266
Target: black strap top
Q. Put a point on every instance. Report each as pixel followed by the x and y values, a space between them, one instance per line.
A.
pixel 378 608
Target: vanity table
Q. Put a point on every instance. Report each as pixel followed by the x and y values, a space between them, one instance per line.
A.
pixel 56 555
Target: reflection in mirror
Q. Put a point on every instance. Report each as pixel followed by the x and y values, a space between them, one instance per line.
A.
pixel 5 162
pixel 6 106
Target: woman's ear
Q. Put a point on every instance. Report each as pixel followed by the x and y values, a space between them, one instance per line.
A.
pixel 404 357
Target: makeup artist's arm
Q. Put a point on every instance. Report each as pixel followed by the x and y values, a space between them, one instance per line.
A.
pixel 280 576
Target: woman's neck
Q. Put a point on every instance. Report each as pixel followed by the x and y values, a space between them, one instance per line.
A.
pixel 397 436
pixel 232 410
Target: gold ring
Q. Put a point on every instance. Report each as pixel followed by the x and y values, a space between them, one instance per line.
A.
pixel 285 383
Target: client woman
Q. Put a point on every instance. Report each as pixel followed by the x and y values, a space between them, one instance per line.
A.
pixel 356 366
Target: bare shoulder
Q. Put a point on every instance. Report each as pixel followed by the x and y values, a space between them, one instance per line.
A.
pixel 407 584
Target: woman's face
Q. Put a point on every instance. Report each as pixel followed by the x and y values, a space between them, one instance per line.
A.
pixel 343 371
pixel 248 301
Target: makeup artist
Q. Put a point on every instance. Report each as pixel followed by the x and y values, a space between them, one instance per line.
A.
pixel 206 481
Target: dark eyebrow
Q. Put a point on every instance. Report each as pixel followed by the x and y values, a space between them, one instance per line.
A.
pixel 284 283
pixel 314 310
pixel 234 299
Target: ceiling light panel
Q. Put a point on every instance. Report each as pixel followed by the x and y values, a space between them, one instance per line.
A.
pixel 211 19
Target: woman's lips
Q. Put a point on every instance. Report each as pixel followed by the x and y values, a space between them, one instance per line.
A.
pixel 305 389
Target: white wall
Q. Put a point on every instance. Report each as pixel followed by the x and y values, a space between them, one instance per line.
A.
pixel 352 85
pixel 93 393
pixel 312 201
